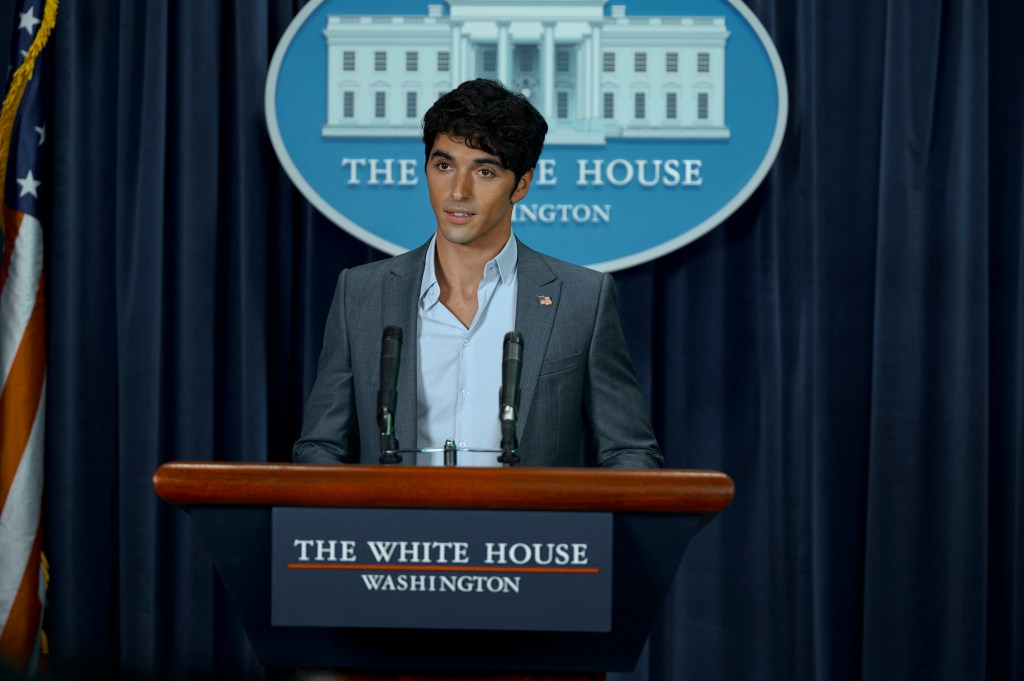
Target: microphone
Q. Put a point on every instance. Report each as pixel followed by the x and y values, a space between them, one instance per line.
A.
pixel 508 396
pixel 387 395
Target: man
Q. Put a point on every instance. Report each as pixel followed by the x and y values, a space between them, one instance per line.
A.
pixel 456 296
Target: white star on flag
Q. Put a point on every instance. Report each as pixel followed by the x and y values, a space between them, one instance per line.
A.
pixel 28 20
pixel 29 185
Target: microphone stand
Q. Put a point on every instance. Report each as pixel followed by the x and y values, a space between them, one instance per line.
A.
pixel 388 441
pixel 508 397
pixel 390 360
pixel 451 453
pixel 509 441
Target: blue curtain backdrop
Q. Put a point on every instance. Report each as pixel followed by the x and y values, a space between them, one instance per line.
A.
pixel 849 346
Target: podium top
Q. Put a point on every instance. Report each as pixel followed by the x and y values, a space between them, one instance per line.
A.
pixel 363 486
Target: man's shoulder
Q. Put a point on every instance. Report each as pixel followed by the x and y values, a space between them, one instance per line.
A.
pixel 372 272
pixel 569 273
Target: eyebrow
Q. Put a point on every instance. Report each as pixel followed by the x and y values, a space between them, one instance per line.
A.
pixel 479 160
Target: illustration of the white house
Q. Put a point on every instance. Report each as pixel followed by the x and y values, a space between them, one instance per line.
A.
pixel 592 75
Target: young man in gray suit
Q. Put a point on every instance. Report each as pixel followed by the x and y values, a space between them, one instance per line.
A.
pixel 456 296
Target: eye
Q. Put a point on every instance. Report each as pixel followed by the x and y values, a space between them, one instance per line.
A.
pixel 487 172
pixel 442 165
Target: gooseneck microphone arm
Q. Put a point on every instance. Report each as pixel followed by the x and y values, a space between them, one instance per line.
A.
pixel 508 396
pixel 387 394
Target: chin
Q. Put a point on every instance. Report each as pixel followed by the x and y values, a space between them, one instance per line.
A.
pixel 455 236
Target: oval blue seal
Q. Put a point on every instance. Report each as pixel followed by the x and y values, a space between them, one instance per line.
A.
pixel 661 123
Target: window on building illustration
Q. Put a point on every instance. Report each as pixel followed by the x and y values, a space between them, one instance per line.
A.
pixel 609 62
pixel 348 60
pixel 410 105
pixel 703 62
pixel 671 105
pixel 412 61
pixel 562 61
pixel 380 61
pixel 640 105
pixel 526 61
pixel 490 61
pixel 348 104
pixel 379 104
pixel 562 104
pixel 443 60
pixel 640 62
pixel 702 105
pixel 672 62
pixel 609 105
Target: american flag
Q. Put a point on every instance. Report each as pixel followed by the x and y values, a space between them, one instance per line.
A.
pixel 23 342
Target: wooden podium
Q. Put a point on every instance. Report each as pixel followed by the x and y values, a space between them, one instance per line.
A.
pixel 653 516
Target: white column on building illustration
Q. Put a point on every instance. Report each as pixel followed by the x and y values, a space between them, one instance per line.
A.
pixel 547 60
pixel 468 68
pixel 333 95
pixel 504 54
pixel 583 81
pixel 597 67
pixel 720 86
pixel 455 59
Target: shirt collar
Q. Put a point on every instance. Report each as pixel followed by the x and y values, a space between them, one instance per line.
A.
pixel 507 260
pixel 430 290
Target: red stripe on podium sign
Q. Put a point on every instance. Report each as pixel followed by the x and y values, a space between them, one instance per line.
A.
pixel 441 568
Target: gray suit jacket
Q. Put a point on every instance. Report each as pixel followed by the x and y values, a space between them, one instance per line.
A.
pixel 577 377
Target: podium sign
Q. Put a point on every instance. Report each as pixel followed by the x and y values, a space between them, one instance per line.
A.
pixel 441 569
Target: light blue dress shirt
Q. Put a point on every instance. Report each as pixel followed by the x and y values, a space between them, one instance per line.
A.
pixel 459 368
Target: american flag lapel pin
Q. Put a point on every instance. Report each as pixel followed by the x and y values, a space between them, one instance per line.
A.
pixel 544 300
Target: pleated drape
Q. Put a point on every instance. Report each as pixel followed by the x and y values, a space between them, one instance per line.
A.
pixel 848 345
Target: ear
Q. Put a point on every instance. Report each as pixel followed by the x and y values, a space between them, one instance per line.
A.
pixel 519 193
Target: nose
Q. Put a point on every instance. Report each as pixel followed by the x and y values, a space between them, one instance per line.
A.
pixel 462 186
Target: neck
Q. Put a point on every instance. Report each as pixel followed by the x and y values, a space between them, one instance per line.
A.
pixel 460 267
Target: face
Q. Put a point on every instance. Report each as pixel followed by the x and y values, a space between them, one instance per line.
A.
pixel 472 194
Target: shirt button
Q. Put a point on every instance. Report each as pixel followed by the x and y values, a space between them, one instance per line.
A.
pixel 462 444
pixel 466 393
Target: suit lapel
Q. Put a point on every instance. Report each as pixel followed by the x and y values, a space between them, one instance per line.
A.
pixel 536 304
pixel 400 304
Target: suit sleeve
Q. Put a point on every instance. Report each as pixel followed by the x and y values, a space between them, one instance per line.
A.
pixel 329 418
pixel 616 411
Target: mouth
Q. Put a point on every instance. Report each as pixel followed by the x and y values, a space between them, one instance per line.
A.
pixel 459 216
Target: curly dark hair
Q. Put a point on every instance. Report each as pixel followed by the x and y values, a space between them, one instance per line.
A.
pixel 489 117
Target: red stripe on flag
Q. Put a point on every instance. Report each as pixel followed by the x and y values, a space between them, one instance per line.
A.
pixel 19 401
pixel 18 638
